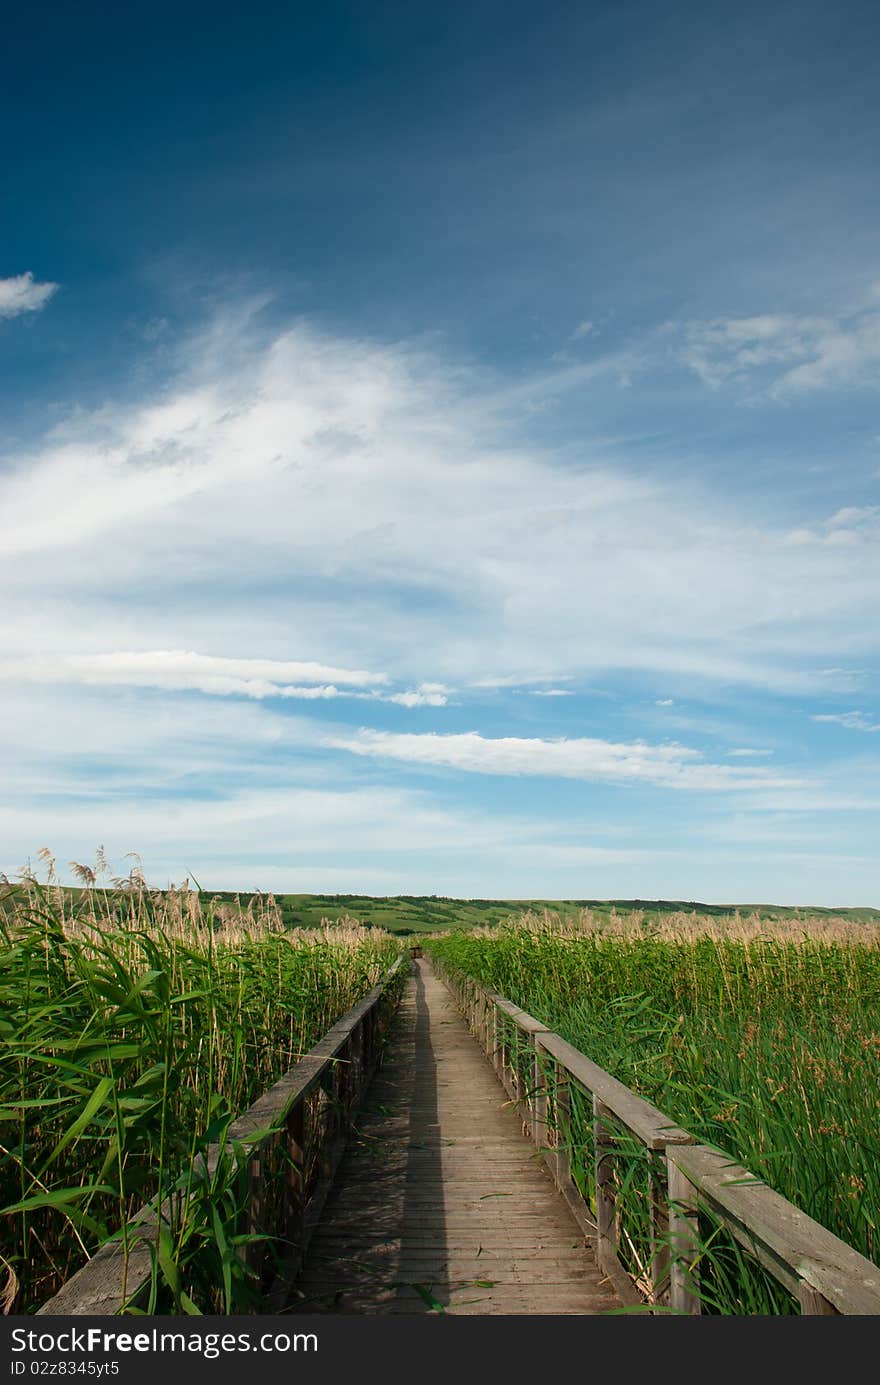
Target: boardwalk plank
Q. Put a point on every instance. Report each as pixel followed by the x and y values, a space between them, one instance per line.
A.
pixel 439 1190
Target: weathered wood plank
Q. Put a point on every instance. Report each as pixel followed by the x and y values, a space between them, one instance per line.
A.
pixel 653 1128
pixel 790 1244
pixel 456 1195
pixel 521 1018
pixel 684 1243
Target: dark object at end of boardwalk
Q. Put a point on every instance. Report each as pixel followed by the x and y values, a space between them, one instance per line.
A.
pixel 415 951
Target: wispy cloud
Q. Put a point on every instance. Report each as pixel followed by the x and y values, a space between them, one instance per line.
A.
pixel 521 680
pixel 746 752
pixel 224 789
pixel 672 766
pixel 183 670
pixel 853 721
pixel 854 524
pixel 186 671
pixel 261 835
pixel 784 354
pixel 425 695
pixel 550 692
pixel 282 440
pixel 23 294
pixel 96 740
pixel 582 330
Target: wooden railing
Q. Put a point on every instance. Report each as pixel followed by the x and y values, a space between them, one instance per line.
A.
pixel 287 1147
pixel 609 1150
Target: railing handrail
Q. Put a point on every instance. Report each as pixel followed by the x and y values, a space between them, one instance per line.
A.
pixel 121 1269
pixel 795 1248
pixel 276 1102
pixel 648 1122
pixel 824 1272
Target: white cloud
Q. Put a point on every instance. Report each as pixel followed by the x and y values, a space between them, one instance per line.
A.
pixel 23 294
pixel 854 524
pixel 320 494
pixel 787 354
pixel 182 670
pixel 672 766
pixel 366 505
pixel 263 822
pixel 551 692
pixel 746 752
pixel 853 721
pixel 426 695
pixel 234 793
pixel 518 680
pixel 187 671
pixel 664 702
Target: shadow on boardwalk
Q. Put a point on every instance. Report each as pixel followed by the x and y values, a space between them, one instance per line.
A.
pixel 439 1205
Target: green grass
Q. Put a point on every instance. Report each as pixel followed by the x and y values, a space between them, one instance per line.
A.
pixel 137 1024
pixel 408 914
pixel 404 915
pixel 129 1043
pixel 767 1049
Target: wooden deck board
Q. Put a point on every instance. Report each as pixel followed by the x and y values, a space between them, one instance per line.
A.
pixel 440 1203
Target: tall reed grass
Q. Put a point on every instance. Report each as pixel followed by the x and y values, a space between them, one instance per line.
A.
pixel 767 1048
pixel 135 1025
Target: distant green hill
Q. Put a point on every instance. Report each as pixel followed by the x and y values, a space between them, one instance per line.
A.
pixel 404 914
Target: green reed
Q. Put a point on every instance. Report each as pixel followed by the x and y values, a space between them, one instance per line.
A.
pixel 767 1049
pixel 132 1032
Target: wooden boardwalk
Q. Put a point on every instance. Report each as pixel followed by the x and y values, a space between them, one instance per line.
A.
pixel 440 1204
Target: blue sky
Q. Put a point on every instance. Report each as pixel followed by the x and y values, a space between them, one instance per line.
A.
pixel 440 447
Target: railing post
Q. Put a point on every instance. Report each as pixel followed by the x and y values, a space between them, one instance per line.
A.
pixel 660 1253
pixel 295 1183
pixel 356 1049
pixel 684 1242
pixel 370 1036
pixel 539 1095
pixel 812 1302
pixel 332 1097
pixel 562 1105
pixel 606 1211
pixel 513 1066
pixel 517 1085
pixel 253 1251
